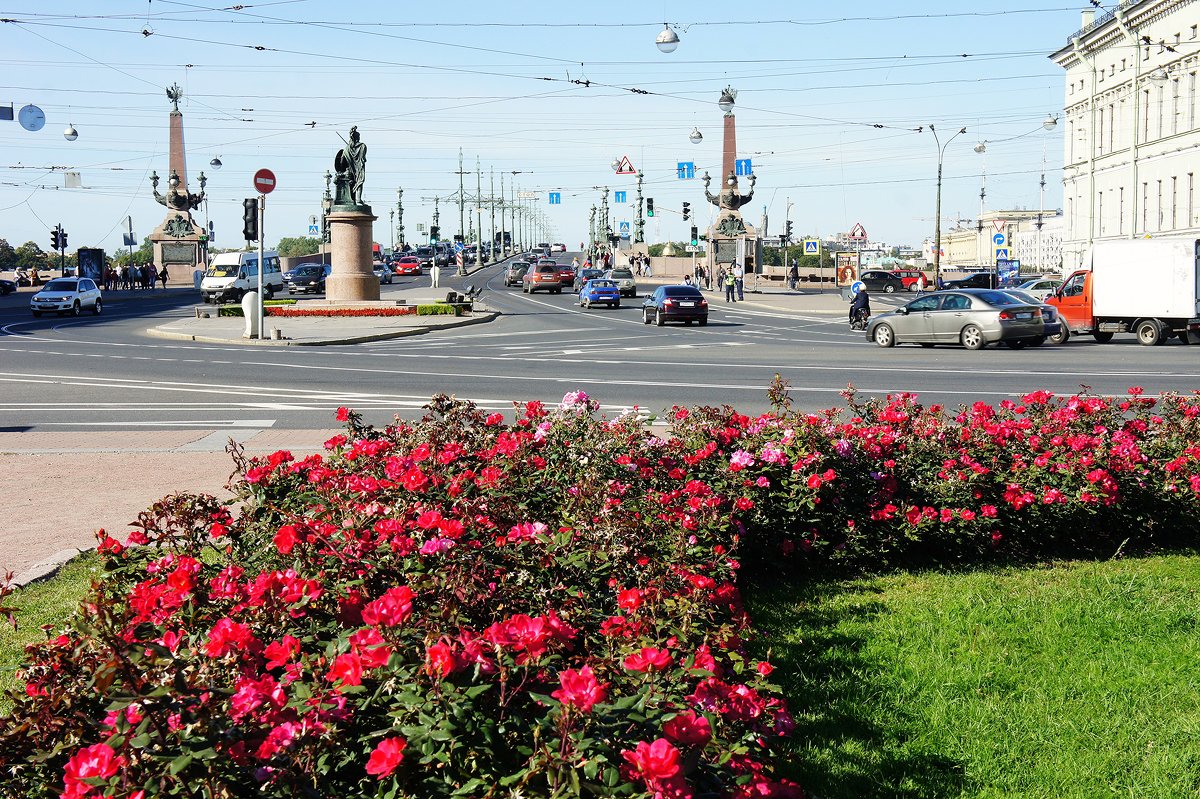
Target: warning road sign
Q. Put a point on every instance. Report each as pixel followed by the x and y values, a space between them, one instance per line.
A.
pixel 626 167
pixel 812 246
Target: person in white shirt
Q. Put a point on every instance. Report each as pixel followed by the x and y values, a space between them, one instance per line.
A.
pixel 739 280
pixel 434 274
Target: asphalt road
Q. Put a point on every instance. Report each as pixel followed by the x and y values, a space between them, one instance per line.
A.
pixel 105 373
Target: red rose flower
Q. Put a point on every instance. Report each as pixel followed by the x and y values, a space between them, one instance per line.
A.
pixel 689 729
pixel 387 755
pixel 649 659
pixel 654 761
pixel 392 609
pixel 93 762
pixel 440 660
pixel 580 689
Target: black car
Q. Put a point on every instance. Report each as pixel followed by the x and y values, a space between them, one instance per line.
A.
pixel 879 280
pixel 979 280
pixel 675 304
pixel 583 276
pixel 426 255
pixel 308 279
pixel 7 287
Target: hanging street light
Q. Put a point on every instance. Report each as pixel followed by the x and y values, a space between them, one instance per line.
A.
pixel 696 136
pixel 1050 123
pixel 667 39
pixel 70 134
pixel 216 163
pixel 728 95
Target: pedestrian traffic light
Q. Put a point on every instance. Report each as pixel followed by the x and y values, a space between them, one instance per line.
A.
pixel 649 206
pixel 687 213
pixel 433 232
pixel 54 239
pixel 250 219
pixel 695 236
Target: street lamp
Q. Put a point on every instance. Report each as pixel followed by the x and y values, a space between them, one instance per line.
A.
pixel 216 163
pixel 728 95
pixel 696 136
pixel 1050 123
pixel 667 39
pixel 70 134
pixel 937 213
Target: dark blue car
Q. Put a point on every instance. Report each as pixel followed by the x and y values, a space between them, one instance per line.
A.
pixel 600 292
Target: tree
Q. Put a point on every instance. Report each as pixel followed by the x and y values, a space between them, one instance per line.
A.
pixel 8 256
pixel 298 245
pixel 30 256
pixel 142 255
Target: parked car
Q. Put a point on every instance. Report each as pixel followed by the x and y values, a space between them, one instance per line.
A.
pixel 1041 287
pixel 7 287
pixel 979 280
pixel 583 276
pixel 542 277
pixel 382 271
pixel 675 304
pixel 911 278
pixel 599 291
pixel 65 295
pixel 624 277
pixel 973 318
pixel 1053 325
pixel 308 279
pixel 879 280
pixel 408 265
pixel 514 272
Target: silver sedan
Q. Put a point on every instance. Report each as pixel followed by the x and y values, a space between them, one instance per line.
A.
pixel 973 318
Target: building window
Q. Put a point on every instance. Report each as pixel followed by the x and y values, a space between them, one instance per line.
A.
pixel 1191 207
pixel 1175 106
pixel 1120 210
pixel 1100 133
pixel 1159 97
pixel 1160 206
pixel 1191 101
pixel 1145 205
pixel 1070 142
pixel 1122 64
pixel 1174 218
pixel 1146 115
pixel 1112 128
pixel 1100 210
pixel 1194 31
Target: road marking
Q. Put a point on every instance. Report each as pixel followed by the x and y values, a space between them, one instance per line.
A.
pixel 248 423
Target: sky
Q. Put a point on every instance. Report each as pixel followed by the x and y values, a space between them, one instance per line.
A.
pixel 834 109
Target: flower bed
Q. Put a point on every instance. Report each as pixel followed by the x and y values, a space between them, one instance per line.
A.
pixel 464 607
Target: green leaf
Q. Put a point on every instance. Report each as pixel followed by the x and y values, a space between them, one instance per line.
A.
pixel 180 763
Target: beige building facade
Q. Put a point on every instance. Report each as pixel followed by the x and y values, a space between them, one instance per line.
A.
pixel 1034 238
pixel 1131 144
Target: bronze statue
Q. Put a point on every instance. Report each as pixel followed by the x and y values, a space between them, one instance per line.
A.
pixel 175 199
pixel 173 94
pixel 729 199
pixel 351 166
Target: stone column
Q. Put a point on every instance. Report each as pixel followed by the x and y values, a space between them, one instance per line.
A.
pixel 728 151
pixel 351 278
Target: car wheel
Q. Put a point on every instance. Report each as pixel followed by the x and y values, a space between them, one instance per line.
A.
pixel 268 292
pixel 1150 332
pixel 75 308
pixel 1016 344
pixel 1102 338
pixel 617 304
pixel 659 319
pixel 972 338
pixel 97 307
pixel 703 321
pixel 558 290
pixel 884 336
pixel 1062 336
pixel 645 316
pixel 889 289
pixel 1037 342
pixel 583 304
pixel 37 314
pixel 912 288
pixel 687 321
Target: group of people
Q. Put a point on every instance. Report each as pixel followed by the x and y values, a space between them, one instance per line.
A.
pixel 733 279
pixel 140 276
pixel 640 264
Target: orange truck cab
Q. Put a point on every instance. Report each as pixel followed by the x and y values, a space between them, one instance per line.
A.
pixel 1148 287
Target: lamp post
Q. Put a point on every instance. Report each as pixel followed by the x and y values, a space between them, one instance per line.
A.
pixel 1049 124
pixel 981 148
pixel 937 213
pixel 400 217
pixel 392 225
pixel 326 208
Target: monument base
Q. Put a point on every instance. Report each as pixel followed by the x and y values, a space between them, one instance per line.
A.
pixel 351 239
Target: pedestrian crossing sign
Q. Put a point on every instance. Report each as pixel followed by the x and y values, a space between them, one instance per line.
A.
pixel 812 246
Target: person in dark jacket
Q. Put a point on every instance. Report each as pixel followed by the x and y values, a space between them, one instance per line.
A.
pixel 861 304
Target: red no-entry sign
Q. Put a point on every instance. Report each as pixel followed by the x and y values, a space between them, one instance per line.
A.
pixel 264 181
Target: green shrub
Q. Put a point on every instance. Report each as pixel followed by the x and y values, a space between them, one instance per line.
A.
pixel 437 309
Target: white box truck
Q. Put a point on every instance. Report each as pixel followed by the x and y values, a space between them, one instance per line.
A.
pixel 1148 287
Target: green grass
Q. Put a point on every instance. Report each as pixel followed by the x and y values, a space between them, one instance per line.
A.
pixel 49 602
pixel 1073 680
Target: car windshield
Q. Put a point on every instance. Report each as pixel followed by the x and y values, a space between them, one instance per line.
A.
pixel 222 271
pixel 602 284
pixel 547 269
pixel 1000 298
pixel 622 274
pixel 60 285
pixel 681 291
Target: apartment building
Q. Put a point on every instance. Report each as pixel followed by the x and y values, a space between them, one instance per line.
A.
pixel 1131 144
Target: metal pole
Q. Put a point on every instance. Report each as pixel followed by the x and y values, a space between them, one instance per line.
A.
pixel 262 234
pixel 462 227
pixel 492 206
pixel 640 225
pixel 400 215
pixel 392 225
pixel 479 212
pixel 502 213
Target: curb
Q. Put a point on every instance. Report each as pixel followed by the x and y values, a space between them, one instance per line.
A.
pixel 486 316
pixel 48 568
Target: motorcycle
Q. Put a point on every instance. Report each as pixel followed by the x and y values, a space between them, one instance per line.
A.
pixel 860 319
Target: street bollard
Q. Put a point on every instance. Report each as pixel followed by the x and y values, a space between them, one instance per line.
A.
pixel 250 311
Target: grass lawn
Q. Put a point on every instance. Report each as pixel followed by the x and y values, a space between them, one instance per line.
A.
pixel 48 602
pixel 1077 680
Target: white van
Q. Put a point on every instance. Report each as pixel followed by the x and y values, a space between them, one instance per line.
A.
pixel 232 274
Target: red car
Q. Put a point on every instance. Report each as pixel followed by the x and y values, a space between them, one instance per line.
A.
pixel 566 274
pixel 408 265
pixel 910 278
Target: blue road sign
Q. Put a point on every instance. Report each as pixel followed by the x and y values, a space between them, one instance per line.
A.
pixel 1001 253
pixel 812 246
pixel 624 227
pixel 621 197
pixel 686 170
pixel 459 246
pixel 742 166
pixel 999 239
pixel 313 230
pixel 556 198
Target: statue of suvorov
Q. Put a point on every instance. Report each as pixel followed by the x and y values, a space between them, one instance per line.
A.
pixel 350 164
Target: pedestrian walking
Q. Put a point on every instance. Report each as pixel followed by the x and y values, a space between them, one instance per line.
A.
pixel 793 276
pixel 739 278
pixel 162 275
pixel 921 283
pixel 125 277
pixel 730 287
pixel 435 275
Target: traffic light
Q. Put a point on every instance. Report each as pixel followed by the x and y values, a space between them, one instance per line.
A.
pixel 62 239
pixel 458 237
pixel 54 239
pixel 687 214
pixel 695 236
pixel 250 219
pixel 787 231
pixel 649 206
pixel 433 232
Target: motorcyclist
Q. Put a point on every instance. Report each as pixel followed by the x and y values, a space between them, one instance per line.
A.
pixel 860 304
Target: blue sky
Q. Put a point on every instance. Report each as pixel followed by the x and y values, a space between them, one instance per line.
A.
pixel 421 81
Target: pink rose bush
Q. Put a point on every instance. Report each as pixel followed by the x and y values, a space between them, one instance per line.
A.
pixel 460 606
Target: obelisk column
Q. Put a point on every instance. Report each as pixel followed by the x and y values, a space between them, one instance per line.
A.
pixel 729 152
pixel 178 164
